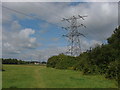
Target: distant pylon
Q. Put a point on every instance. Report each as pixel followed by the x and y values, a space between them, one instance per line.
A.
pixel 73 35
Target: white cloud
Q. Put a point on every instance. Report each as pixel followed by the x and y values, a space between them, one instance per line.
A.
pixel 25 33
pixel 98 0
pixel 18 41
pixel 37 0
pixel 15 26
pixel 0 31
pixel 101 21
pixel 60 0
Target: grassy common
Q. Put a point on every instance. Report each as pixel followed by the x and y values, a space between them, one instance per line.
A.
pixel 32 76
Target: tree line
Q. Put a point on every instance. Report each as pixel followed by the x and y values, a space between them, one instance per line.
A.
pixel 13 61
pixel 16 61
pixel 103 59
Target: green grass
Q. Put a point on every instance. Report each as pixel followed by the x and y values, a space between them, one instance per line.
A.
pixel 31 76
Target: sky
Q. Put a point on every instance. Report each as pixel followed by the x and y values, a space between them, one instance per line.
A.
pixel 32 30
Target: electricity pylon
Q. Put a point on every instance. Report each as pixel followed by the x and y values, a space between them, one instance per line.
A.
pixel 73 35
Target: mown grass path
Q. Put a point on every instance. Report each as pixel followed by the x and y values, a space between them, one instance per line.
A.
pixel 38 82
pixel 31 76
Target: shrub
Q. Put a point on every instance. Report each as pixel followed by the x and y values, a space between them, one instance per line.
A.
pixel 52 61
pixel 61 61
pixel 112 71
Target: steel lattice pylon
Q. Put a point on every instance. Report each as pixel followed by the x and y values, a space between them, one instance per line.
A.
pixel 73 35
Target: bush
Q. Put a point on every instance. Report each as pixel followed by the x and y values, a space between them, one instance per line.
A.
pixel 112 71
pixel 61 61
pixel 65 62
pixel 52 61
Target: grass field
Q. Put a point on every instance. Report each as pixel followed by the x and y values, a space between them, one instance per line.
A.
pixel 31 76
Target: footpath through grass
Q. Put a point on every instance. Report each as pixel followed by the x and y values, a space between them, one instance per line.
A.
pixel 31 76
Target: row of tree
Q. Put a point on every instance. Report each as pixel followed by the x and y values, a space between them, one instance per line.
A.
pixel 103 59
pixel 13 61
pixel 16 61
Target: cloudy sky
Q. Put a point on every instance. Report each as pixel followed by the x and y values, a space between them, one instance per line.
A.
pixel 32 31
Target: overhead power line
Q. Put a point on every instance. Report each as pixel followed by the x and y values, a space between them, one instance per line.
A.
pixel 22 13
pixel 19 12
